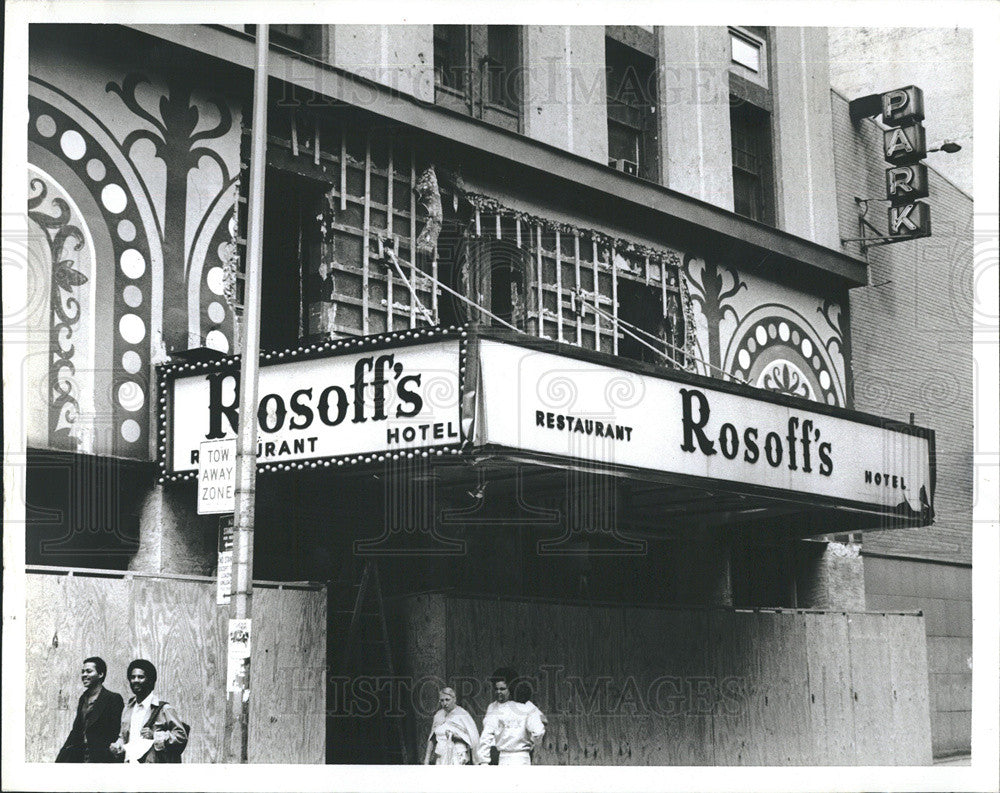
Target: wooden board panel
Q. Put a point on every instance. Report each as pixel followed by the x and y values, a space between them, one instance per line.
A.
pixel 831 708
pixel 288 713
pixel 871 693
pixel 783 676
pixel 907 645
pixel 639 686
pixel 176 625
pixel 179 628
pixel 732 658
pixel 668 651
pixel 423 660
pixel 50 694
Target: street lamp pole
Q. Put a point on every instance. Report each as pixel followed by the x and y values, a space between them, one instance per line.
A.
pixel 240 635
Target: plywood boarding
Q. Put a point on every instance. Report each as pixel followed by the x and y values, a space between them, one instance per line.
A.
pixel 831 703
pixel 870 689
pixel 422 650
pixel 289 676
pixel 175 624
pixel 737 737
pixel 781 669
pixel 908 678
pixel 639 686
pixel 671 648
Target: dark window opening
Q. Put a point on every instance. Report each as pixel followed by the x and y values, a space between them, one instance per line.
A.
pixel 290 257
pixel 451 45
pixel 501 66
pixel 753 170
pixel 494 273
pixel 477 71
pixel 642 306
pixel 632 125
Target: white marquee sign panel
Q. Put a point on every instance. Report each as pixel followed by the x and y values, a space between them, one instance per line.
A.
pixel 373 402
pixel 540 402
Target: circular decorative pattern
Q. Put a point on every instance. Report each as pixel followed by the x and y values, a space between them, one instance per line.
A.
pixel 132 295
pixel 132 328
pixel 130 430
pixel 96 170
pixel 73 144
pixel 225 249
pixel 216 312
pixel 131 396
pixel 133 264
pixel 126 230
pixel 114 199
pixel 131 362
pixel 216 340
pixel 215 279
pixel 776 354
pixel 46 125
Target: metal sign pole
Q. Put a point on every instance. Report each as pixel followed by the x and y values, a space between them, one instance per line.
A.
pixel 240 635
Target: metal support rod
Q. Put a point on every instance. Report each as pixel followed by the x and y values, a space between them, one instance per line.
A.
pixel 235 748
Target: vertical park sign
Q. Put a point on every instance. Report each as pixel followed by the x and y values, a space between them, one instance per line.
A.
pixel 904 145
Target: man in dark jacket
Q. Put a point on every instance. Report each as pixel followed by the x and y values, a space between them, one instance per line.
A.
pixel 151 730
pixel 98 718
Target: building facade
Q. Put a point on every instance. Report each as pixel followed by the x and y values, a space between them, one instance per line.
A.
pixel 560 342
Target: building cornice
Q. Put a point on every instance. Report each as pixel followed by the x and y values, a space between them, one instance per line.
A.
pixel 715 231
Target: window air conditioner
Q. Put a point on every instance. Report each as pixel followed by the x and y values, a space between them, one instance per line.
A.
pixel 627 166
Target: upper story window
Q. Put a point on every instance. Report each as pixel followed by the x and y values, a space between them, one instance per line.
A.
pixel 751 118
pixel 632 124
pixel 307 39
pixel 753 169
pixel 477 71
pixel 748 53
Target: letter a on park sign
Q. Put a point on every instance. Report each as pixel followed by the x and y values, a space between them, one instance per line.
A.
pixel 217 477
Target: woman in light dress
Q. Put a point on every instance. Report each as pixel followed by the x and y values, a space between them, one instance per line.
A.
pixel 454 736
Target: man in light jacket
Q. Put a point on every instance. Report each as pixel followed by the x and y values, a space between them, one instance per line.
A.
pixel 151 730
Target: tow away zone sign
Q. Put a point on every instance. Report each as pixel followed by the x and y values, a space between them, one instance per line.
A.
pixel 217 477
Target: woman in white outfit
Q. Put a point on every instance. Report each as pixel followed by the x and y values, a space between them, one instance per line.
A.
pixel 512 728
pixel 454 737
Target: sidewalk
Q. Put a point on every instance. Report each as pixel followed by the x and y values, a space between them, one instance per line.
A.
pixel 955 759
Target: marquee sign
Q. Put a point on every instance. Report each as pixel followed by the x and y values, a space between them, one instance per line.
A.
pixel 572 409
pixel 361 401
pixel 385 402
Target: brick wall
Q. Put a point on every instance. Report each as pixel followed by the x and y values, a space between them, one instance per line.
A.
pixel 911 334
pixel 941 592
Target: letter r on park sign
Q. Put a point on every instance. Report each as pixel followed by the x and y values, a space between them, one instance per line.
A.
pixel 217 477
